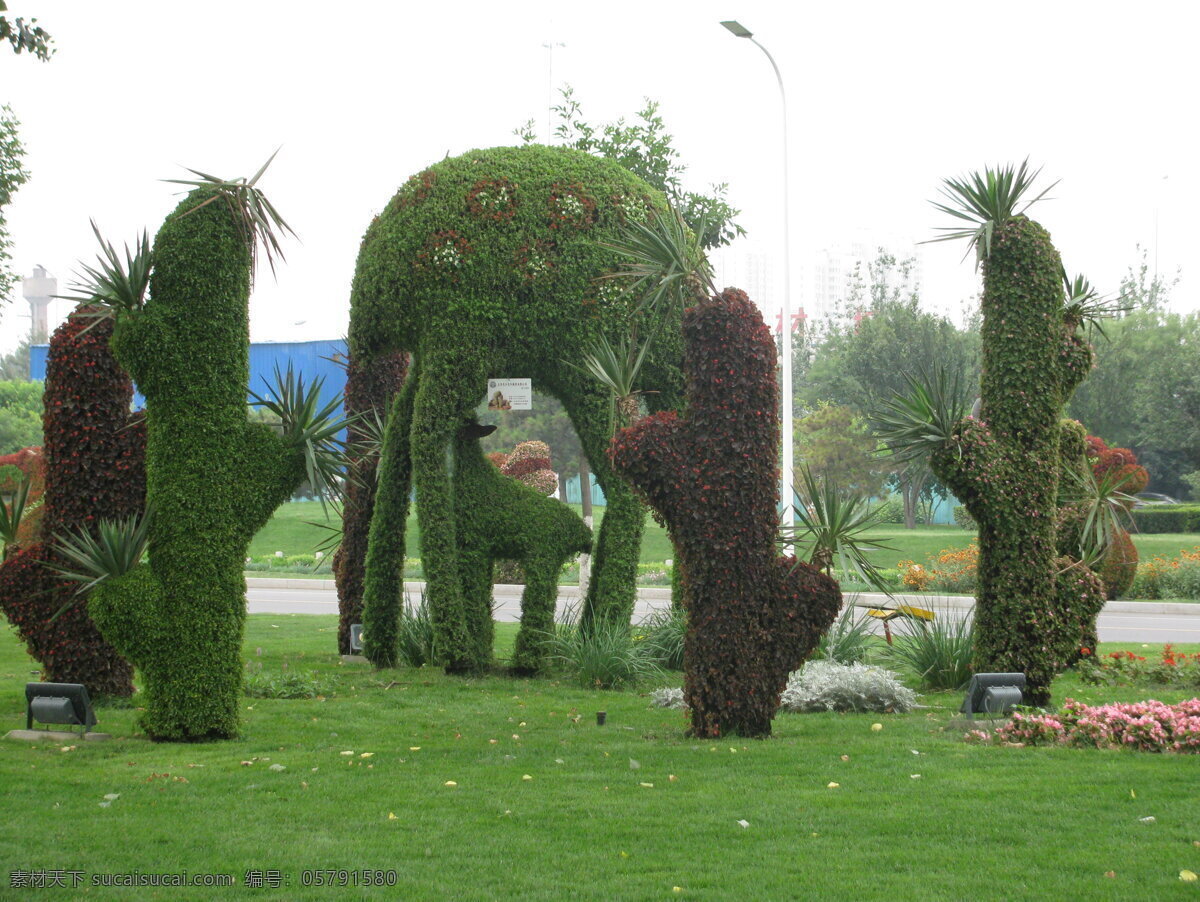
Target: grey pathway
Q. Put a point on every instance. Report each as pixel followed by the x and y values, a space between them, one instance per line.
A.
pixel 1121 621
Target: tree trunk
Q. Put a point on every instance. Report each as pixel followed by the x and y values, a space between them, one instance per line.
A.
pixel 585 499
pixel 911 491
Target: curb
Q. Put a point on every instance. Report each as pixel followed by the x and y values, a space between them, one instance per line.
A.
pixel 860 599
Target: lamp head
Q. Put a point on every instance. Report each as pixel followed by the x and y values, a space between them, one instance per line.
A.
pixel 738 29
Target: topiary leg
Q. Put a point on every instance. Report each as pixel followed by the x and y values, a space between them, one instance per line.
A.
pixel 538 602
pixel 448 391
pixel 383 577
pixel 612 589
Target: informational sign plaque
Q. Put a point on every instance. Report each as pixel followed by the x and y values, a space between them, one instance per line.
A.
pixel 509 394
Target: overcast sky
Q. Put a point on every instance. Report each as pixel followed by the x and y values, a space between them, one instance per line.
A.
pixel 885 99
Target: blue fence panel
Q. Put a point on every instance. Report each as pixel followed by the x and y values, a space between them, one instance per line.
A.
pixel 574 496
pixel 312 359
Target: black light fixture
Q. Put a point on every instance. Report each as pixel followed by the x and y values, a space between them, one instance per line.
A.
pixel 356 639
pixel 993 694
pixel 59 703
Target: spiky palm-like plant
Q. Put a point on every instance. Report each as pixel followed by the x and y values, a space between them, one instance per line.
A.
pixel 831 528
pixel 664 265
pixel 986 202
pixel 112 285
pixel 1033 607
pixel 257 221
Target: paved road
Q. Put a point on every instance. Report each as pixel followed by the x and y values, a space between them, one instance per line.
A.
pixel 1119 622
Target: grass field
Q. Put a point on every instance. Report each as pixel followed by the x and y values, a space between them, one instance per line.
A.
pixel 978 823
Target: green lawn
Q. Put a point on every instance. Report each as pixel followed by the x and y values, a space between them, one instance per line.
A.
pixel 979 822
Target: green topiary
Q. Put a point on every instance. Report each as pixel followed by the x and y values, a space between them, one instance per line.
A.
pixel 501 518
pixel 485 266
pixel 1033 605
pixel 213 478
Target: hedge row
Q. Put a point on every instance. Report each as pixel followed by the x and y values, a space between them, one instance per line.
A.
pixel 1159 518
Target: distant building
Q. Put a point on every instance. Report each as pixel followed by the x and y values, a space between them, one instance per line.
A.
pixel 825 279
pixel 750 271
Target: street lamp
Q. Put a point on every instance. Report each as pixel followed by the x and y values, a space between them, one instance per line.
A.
pixel 786 491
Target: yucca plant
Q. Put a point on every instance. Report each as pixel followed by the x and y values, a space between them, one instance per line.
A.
pixel 12 512
pixel 617 367
pixel 986 201
pixel 113 549
pixel 1086 306
pixel 923 420
pixel 113 285
pixel 830 529
pixel 940 653
pixel 1104 509
pixel 665 262
pixel 308 424
pixel 604 656
pixel 849 640
pixel 665 266
pixel 257 219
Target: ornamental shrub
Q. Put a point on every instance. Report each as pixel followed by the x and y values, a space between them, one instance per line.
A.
pixel 28 464
pixel 1160 518
pixel 369 394
pixel 1119 565
pixel 1182 578
pixel 1033 606
pixel 1124 668
pixel 212 477
pixel 963 518
pixel 486 265
pixel 828 686
pixel 753 616
pixel 93 465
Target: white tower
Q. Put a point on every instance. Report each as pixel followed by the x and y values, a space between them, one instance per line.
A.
pixel 39 289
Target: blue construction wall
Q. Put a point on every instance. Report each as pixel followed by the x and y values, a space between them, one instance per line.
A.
pixel 574 496
pixel 312 359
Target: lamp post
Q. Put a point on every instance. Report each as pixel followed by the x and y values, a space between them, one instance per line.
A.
pixel 786 490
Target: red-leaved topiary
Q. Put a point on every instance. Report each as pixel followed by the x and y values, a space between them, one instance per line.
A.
pixel 753 616
pixel 94 456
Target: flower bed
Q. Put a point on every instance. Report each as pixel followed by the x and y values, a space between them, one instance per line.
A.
pixel 1124 668
pixel 952 570
pixel 1149 726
